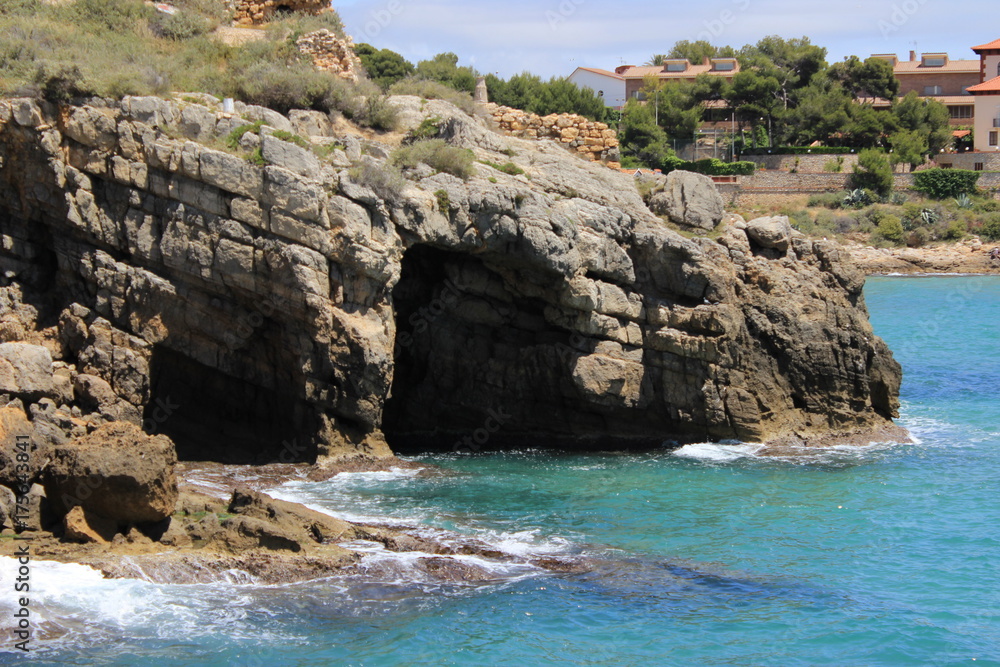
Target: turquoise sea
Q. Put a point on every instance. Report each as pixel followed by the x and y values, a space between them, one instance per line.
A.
pixel 710 555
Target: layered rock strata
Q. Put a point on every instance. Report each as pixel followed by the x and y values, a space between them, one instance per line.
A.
pixel 318 304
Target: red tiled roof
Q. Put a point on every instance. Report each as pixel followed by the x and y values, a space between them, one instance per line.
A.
pixel 991 86
pixel 603 72
pixel 995 44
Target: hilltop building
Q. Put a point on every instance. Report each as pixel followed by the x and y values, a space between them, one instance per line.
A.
pixel 987 98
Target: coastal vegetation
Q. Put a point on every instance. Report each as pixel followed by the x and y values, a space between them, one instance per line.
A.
pixel 113 48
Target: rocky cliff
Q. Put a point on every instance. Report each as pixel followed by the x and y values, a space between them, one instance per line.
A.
pixel 311 305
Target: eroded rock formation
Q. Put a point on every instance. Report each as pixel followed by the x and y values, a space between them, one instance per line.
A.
pixel 311 307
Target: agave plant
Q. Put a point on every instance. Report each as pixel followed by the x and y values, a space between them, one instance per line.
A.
pixel 963 201
pixel 858 198
pixel 929 216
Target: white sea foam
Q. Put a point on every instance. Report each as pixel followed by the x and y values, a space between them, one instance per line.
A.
pixel 722 452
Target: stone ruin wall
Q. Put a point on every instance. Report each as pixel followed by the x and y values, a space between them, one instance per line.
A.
pixel 591 141
pixel 331 53
pixel 258 12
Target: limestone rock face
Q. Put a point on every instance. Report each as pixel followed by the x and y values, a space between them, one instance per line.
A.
pixel 25 370
pixel 321 305
pixel 689 199
pixel 116 472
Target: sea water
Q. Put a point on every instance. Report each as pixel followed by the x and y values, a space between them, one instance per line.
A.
pixel 713 554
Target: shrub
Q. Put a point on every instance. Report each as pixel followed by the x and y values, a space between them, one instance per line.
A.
pixel 945 183
pixel 437 154
pixel 433 90
pixel 182 25
pixel 872 172
pixel 834 166
pixel 963 201
pixel 709 166
pixel 827 200
pixel 233 139
pixel 120 16
pixel 428 129
pixel 917 238
pixel 988 206
pixel 384 179
pixel 956 230
pixel 890 229
pixel 990 229
pixel 443 200
pixel 507 167
pixel 376 112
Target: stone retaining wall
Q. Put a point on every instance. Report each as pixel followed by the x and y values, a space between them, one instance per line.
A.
pixel 258 12
pixel 331 53
pixel 592 141
pixel 816 164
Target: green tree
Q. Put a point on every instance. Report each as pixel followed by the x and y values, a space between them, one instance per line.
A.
pixel 675 107
pixel 444 68
pixel 790 62
pixel 872 172
pixel 927 116
pixel 656 60
pixel 871 78
pixel 384 67
pixel 557 95
pixel 696 52
pixel 908 147
pixel 642 140
pixel 822 113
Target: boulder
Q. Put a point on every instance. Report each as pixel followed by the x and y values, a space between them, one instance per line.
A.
pixel 689 199
pixel 770 232
pixel 117 472
pixel 14 424
pixel 244 532
pixel 25 370
pixel 80 525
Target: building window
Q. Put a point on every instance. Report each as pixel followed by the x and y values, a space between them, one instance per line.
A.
pixel 978 166
pixel 724 65
pixel 932 90
pixel 998 69
pixel 934 62
pixel 993 138
pixel 964 111
pixel 946 165
pixel 676 67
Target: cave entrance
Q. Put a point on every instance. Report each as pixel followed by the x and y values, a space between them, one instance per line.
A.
pixel 477 366
pixel 283 12
pixel 212 416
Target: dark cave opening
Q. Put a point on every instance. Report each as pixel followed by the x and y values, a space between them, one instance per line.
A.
pixel 477 367
pixel 211 416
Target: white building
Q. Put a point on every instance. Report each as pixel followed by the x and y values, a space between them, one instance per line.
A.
pixel 987 94
pixel 607 85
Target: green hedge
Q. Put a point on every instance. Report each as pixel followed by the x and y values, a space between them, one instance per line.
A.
pixel 710 167
pixel 945 183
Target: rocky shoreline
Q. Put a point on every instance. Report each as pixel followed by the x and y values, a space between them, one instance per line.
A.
pixel 967 257
pixel 163 300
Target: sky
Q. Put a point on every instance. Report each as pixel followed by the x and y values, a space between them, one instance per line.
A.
pixel 554 37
